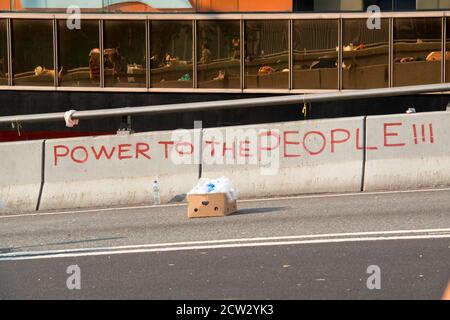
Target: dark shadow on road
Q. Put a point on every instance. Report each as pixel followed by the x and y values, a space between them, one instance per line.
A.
pixel 261 210
pixel 9 250
pixel 6 250
pixel 178 198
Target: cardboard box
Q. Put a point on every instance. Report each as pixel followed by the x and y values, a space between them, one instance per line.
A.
pixel 210 205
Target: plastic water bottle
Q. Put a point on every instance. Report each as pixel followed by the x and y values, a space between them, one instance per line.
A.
pixel 156 197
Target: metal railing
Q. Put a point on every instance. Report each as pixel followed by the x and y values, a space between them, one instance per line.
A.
pixel 229 104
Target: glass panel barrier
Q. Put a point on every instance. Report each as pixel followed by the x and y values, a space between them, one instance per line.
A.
pixel 417 51
pixel 32 42
pixel 218 47
pixel 125 47
pixel 171 54
pixel 315 54
pixel 365 55
pixel 266 54
pixel 3 53
pixel 79 54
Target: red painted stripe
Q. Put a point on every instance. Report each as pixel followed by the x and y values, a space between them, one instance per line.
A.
pixel 424 137
pixel 431 133
pixel 415 134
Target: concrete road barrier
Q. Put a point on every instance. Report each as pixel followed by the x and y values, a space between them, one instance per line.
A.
pixel 20 176
pixel 287 158
pixel 398 152
pixel 117 170
pixel 408 151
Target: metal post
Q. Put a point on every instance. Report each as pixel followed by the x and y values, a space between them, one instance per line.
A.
pixel 148 53
pixel 242 54
pixel 102 54
pixel 391 52
pixel 9 48
pixel 340 55
pixel 55 53
pixel 194 53
pixel 290 62
pixel 444 49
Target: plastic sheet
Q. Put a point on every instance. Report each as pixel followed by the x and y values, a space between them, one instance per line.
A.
pixel 221 185
pixel 70 123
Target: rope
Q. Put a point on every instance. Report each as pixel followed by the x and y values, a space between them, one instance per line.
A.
pixel 16 125
pixel 306 108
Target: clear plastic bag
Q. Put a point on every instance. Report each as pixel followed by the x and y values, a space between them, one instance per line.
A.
pixel 221 185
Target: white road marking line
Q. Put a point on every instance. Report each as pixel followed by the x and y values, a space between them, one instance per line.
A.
pixel 257 239
pixel 338 195
pixel 229 243
pixel 226 246
pixel 56 213
pixel 320 196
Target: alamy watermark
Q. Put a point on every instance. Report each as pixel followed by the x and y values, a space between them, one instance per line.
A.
pixel 374 280
pixel 74 280
pixel 374 21
pixel 74 20
pixel 227 146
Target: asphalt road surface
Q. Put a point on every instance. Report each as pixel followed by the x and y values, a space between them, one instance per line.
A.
pixel 312 247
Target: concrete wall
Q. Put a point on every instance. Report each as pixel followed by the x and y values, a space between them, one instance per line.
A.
pixel 287 158
pixel 20 176
pixel 413 151
pixel 115 171
pixel 398 152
